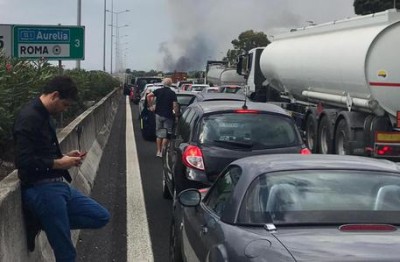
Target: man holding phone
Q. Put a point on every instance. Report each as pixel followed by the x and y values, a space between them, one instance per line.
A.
pixel 43 170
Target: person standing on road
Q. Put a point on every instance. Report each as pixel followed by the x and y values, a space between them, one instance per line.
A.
pixel 165 109
pixel 43 171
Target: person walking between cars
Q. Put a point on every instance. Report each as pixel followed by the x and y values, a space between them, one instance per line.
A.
pixel 47 198
pixel 166 109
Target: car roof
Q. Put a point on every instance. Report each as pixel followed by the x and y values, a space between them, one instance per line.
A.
pixel 205 85
pixel 220 105
pixel 279 162
pixel 153 84
pixel 184 93
pixel 235 86
pixel 219 96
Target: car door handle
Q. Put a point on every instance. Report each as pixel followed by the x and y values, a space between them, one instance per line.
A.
pixel 203 230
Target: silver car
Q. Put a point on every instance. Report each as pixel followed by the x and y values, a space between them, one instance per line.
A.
pixel 292 208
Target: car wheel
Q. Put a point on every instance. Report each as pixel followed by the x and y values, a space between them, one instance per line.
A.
pixel 166 193
pixel 179 181
pixel 175 252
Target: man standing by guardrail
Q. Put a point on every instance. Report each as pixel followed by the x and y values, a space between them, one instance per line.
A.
pixel 43 170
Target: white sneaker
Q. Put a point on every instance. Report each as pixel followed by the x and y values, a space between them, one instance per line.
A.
pixel 159 154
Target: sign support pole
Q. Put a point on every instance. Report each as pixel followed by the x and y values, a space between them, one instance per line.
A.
pixel 60 72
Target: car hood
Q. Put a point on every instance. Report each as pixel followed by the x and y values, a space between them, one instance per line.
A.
pixel 322 244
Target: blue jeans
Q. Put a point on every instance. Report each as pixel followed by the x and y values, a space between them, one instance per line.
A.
pixel 60 208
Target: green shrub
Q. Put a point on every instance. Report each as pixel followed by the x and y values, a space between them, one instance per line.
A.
pixel 21 80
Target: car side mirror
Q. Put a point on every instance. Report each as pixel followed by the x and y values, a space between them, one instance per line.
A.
pixel 189 197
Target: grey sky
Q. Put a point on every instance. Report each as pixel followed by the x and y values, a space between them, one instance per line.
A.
pixel 173 34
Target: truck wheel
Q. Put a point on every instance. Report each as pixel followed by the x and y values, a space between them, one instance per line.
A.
pixel 311 133
pixel 324 136
pixel 342 137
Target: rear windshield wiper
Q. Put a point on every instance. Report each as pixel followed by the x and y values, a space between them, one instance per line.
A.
pixel 243 144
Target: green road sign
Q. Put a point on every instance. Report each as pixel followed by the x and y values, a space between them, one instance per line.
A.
pixel 50 42
pixel 5 39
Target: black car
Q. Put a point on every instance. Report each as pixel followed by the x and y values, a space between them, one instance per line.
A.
pixel 184 98
pixel 210 135
pixel 147 118
pixel 292 208
pixel 139 83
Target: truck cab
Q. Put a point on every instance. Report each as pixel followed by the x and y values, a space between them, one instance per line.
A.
pixel 257 88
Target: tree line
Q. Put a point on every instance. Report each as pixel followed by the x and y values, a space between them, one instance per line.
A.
pixel 21 80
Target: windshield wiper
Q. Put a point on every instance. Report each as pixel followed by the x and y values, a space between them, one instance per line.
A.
pixel 243 144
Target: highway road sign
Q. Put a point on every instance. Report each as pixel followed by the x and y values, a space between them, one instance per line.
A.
pixel 50 42
pixel 5 39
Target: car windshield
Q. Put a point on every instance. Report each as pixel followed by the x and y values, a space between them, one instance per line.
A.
pixel 249 130
pixel 212 90
pixel 322 197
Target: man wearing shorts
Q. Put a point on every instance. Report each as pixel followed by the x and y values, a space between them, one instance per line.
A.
pixel 166 109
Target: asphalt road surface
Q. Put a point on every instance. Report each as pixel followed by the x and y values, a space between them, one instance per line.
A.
pixel 129 184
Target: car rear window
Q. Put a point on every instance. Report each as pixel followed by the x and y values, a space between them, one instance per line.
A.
pixel 197 88
pixel 184 100
pixel 255 130
pixel 323 197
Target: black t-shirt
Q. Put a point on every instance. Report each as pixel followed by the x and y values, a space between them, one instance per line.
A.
pixel 164 103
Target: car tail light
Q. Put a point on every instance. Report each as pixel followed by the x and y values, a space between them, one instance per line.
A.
pixel 246 111
pixel 305 151
pixel 193 157
pixel 384 150
pixel 367 227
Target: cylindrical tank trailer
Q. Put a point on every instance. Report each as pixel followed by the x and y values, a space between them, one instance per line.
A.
pixel 340 81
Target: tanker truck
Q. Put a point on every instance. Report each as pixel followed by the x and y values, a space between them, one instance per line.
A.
pixel 340 81
pixel 219 74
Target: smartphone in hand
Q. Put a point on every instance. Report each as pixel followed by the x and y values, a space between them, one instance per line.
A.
pixel 82 154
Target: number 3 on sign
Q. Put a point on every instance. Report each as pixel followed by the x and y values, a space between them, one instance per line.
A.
pixel 1 41
pixel 77 43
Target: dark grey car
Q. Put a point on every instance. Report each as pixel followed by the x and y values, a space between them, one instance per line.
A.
pixel 292 208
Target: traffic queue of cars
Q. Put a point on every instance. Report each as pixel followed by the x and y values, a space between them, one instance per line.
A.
pixel 246 188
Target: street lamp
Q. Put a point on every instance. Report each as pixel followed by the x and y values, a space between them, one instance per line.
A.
pixel 78 22
pixel 104 36
pixel 116 13
pixel 117 45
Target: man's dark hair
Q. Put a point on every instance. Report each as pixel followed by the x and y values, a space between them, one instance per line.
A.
pixel 65 86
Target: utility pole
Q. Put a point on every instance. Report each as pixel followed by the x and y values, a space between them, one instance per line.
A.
pixel 104 37
pixel 112 32
pixel 112 27
pixel 78 62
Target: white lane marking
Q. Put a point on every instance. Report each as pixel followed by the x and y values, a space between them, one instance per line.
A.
pixel 138 237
